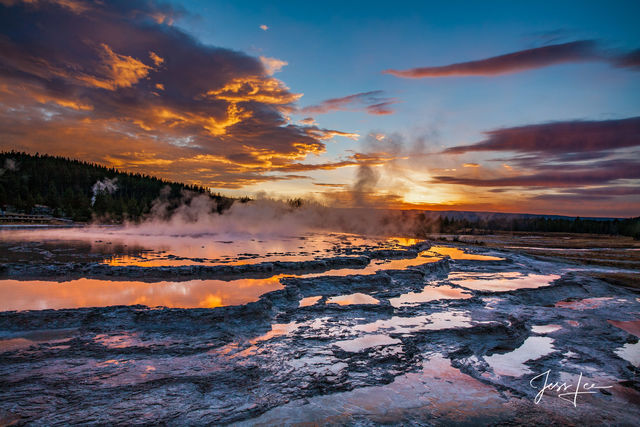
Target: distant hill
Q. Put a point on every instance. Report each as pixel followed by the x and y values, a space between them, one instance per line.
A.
pixel 42 184
pixel 486 222
pixel 475 216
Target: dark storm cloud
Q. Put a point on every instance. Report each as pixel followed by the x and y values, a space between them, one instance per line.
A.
pixel 560 137
pixel 555 177
pixel 578 51
pixel 92 75
pixel 373 102
pixel 631 60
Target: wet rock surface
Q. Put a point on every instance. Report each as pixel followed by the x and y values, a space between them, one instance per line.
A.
pixel 456 354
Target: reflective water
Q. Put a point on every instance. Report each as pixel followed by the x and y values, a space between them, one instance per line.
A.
pixel 513 363
pixel 350 299
pixel 437 392
pixel 141 247
pixel 308 301
pixel 457 253
pixel 584 304
pixel 430 293
pixel 631 353
pixel 40 295
pixel 365 342
pixel 436 321
pixel 501 282
pixel 545 329
pixel 382 264
pixel 9 342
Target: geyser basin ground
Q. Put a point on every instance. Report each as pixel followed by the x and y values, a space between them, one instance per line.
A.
pixel 326 329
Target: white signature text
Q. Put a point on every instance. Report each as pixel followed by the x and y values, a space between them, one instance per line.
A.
pixel 565 391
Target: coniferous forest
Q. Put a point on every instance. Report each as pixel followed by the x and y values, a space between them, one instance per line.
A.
pixel 67 188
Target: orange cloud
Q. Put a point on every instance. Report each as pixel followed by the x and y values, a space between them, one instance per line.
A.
pixel 105 77
pixel 259 89
pixel 117 71
pixel 156 59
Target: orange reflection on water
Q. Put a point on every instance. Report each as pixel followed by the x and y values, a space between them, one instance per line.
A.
pixel 356 298
pixel 158 261
pixel 404 241
pixel 40 295
pixel 127 260
pixel 456 253
pixel 378 265
pixel 308 301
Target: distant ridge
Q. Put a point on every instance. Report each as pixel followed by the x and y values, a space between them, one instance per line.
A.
pixel 478 215
pixel 82 191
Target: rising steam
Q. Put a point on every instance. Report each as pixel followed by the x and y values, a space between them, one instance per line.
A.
pixel 105 186
pixel 9 165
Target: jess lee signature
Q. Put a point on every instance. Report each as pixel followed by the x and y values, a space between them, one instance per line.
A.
pixel 564 390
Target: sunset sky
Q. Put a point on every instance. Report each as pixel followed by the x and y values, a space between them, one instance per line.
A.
pixel 494 106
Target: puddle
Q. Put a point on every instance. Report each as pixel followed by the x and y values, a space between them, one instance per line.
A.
pixel 365 342
pixel 356 298
pixel 436 321
pixel 456 253
pixel 584 304
pixel 22 340
pixel 381 265
pixel 631 326
pixel 630 353
pixel 308 301
pixel 429 293
pixel 277 329
pixel 545 329
pixel 40 295
pixel 501 282
pixel 513 364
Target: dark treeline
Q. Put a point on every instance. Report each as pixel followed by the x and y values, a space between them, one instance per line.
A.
pixel 65 186
pixel 623 227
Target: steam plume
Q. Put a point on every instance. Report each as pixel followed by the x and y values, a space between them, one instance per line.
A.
pixel 105 186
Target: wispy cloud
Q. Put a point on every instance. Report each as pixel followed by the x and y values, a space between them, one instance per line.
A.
pixel 272 65
pixel 578 51
pixel 374 102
